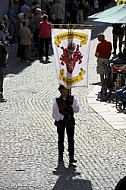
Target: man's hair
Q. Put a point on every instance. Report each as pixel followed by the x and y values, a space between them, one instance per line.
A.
pixel 102 35
pixel 61 87
pixel 45 17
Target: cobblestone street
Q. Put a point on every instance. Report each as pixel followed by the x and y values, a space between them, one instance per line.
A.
pixel 28 137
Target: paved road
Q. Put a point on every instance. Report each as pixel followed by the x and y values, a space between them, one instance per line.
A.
pixel 28 139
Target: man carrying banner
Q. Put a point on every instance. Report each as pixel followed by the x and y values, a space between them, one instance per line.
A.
pixel 63 113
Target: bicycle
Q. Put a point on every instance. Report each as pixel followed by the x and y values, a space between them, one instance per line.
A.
pixel 114 79
pixel 107 87
pixel 121 105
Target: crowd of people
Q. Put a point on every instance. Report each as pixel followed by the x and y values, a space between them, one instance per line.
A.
pixel 75 11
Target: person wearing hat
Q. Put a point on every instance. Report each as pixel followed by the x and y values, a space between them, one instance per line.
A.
pixel 63 111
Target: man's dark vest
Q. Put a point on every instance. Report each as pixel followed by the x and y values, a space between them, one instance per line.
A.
pixel 65 107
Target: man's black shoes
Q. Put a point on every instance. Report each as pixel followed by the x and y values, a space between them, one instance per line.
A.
pixel 47 58
pixel 72 161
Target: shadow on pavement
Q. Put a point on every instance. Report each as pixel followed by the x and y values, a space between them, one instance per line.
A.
pixel 66 179
pixel 96 83
pixel 16 67
pixel 2 99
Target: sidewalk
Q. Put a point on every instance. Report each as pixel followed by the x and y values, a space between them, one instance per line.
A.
pixel 107 110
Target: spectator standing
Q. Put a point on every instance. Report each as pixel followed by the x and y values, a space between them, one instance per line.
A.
pixel 33 7
pixel 2 34
pixel 44 34
pixel 6 24
pixel 12 21
pixel 64 108
pixel 36 21
pixel 67 10
pixel 73 12
pixel 80 12
pixel 58 11
pixel 101 5
pixel 86 9
pixel 103 53
pixel 19 20
pixel 118 33
pixel 96 6
pixel 26 18
pixel 25 41
pixel 49 12
pixel 91 5
pixel 24 7
pixel 3 59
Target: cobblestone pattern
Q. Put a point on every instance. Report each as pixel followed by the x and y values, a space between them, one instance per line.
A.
pixel 28 138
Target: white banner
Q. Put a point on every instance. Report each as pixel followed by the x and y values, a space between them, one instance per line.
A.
pixel 71 51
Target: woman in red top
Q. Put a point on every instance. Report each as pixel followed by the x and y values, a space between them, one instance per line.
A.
pixel 44 35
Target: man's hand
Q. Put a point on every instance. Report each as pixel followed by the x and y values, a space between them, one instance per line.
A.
pixel 70 100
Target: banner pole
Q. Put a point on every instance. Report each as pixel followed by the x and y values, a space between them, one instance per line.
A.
pixel 71 26
pixel 69 92
pixel 124 40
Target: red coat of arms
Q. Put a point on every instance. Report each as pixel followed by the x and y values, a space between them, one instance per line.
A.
pixel 71 55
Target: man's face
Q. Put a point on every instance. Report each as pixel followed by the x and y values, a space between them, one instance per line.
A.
pixel 64 92
pixel 99 38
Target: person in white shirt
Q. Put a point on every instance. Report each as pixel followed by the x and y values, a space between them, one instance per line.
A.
pixel 63 111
